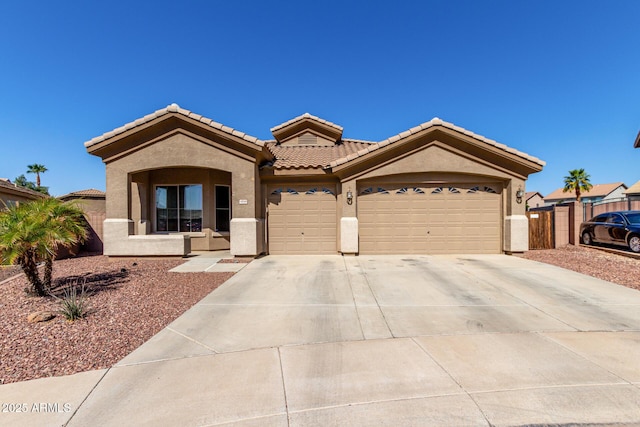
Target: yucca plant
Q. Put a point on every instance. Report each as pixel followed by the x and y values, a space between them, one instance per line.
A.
pixel 73 305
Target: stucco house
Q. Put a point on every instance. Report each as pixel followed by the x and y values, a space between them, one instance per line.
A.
pixel 599 192
pixel 633 192
pixel 534 199
pixel 178 181
pixel 93 203
pixel 12 194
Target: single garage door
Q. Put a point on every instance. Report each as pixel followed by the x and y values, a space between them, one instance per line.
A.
pixel 302 219
pixel 429 219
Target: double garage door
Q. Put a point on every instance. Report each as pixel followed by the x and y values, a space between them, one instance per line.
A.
pixel 392 218
pixel 429 219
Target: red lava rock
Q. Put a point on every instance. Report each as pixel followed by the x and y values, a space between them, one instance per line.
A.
pixel 603 265
pixel 107 334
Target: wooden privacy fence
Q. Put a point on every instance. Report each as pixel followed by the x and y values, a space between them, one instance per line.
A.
pixel 541 229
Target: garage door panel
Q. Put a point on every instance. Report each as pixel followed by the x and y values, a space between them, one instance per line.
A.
pixel 447 218
pixel 302 219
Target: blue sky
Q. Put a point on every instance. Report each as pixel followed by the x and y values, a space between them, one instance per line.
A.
pixel 559 80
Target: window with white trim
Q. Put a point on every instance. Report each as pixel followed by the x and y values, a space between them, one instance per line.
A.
pixel 223 207
pixel 179 208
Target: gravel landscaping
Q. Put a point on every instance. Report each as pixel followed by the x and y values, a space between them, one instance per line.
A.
pixel 130 301
pixel 133 299
pixel 593 262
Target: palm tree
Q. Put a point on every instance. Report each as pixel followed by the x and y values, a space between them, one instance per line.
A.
pixel 37 169
pixel 578 182
pixel 32 232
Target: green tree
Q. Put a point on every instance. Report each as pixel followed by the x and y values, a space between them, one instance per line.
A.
pixel 31 233
pixel 22 181
pixel 577 181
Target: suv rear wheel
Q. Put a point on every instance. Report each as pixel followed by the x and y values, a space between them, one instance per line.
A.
pixel 586 238
pixel 634 243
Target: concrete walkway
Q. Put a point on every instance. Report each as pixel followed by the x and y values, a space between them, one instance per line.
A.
pixel 372 340
pixel 209 262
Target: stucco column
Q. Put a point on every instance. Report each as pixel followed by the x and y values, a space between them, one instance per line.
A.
pixel 117 202
pixel 349 220
pixel 516 223
pixel 246 231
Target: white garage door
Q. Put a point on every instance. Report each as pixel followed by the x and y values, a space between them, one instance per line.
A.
pixel 429 219
pixel 302 219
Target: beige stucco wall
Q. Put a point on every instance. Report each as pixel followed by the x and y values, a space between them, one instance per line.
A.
pixel 535 202
pixel 181 150
pixel 439 162
pixel 143 186
pixel 9 196
pixel 182 159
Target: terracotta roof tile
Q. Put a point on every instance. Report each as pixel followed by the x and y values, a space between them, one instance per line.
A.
pixel 598 190
pixel 310 156
pixel 173 108
pixel 91 192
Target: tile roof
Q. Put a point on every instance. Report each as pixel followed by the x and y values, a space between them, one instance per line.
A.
pixel 432 123
pixel 173 108
pixel 634 189
pixel 5 183
pixel 91 192
pixel 310 156
pixel 306 116
pixel 598 190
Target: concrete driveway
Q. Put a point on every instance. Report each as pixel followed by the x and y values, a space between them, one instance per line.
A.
pixel 374 340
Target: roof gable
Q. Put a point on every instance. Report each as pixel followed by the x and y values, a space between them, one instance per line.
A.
pixel 529 194
pixel 425 134
pixel 304 128
pixel 172 108
pixel 633 190
pixel 163 122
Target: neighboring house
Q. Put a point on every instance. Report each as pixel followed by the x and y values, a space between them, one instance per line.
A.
pixel 177 182
pixel 598 193
pixel 534 199
pixel 91 200
pixel 11 194
pixel 633 192
pixel 93 203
